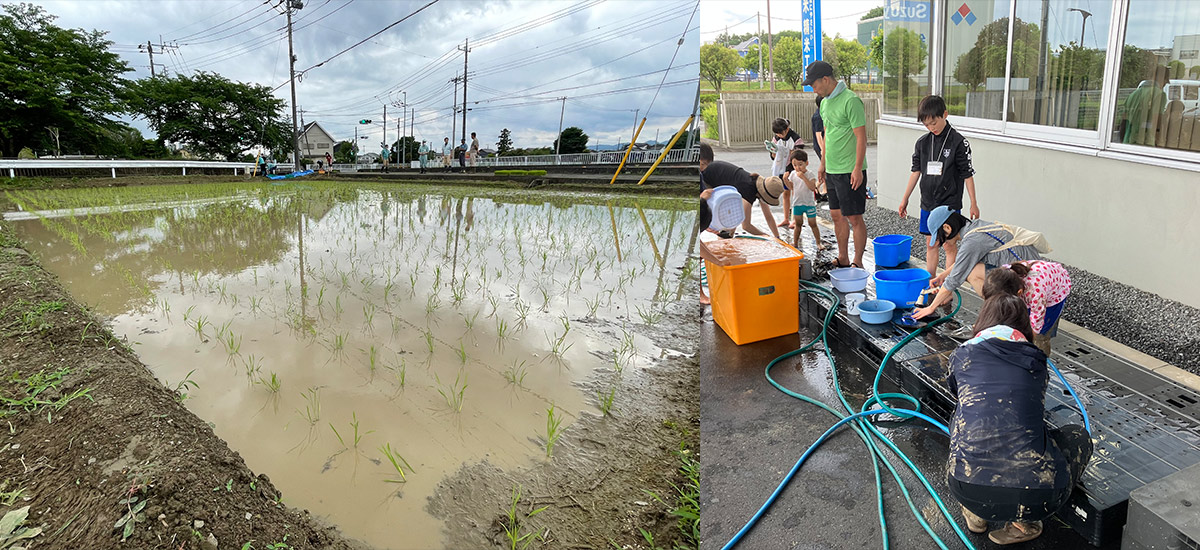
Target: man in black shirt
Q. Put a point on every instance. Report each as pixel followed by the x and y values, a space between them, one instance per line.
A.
pixel 941 161
pixel 715 173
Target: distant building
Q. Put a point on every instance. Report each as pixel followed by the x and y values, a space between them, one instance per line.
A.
pixel 743 50
pixel 315 142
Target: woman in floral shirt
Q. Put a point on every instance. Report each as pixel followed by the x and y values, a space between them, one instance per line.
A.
pixel 1043 285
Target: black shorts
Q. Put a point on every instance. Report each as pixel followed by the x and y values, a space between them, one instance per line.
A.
pixel 851 202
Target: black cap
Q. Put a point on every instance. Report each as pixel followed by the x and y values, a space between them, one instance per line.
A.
pixel 816 70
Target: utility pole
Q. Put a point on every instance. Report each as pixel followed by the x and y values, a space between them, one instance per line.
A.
pixel 293 4
pixel 403 113
pixel 771 54
pixel 466 50
pixel 400 132
pixel 149 48
pixel 385 143
pixel 760 74
pixel 636 112
pixel 558 142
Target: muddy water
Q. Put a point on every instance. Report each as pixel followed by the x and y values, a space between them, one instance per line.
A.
pixel 372 310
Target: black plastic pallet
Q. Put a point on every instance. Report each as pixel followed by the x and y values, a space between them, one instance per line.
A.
pixel 1144 426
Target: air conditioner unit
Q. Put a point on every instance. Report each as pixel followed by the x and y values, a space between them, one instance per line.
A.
pixel 1165 514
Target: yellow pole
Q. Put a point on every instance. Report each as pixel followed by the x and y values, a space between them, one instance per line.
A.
pixel 667 150
pixel 616 236
pixel 627 151
pixel 649 233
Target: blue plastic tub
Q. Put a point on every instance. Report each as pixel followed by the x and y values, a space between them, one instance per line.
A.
pixel 901 287
pixel 892 250
pixel 876 312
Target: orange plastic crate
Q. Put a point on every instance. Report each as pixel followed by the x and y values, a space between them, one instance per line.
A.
pixel 754 286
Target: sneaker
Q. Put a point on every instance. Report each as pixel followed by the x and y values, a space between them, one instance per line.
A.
pixel 1013 534
pixel 975 524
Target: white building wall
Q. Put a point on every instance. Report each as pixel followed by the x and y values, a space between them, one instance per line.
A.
pixel 1132 222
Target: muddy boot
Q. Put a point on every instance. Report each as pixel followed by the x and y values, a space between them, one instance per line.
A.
pixel 975 524
pixel 1014 532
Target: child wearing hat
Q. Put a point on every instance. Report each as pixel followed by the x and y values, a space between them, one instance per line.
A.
pixel 752 187
pixel 941 162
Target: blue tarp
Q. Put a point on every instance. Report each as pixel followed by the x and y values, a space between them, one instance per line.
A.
pixel 292 175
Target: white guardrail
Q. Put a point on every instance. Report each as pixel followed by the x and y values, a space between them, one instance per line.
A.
pixel 11 166
pixel 578 159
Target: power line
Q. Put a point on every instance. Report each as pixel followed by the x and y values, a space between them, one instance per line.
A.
pixel 360 42
pixel 261 42
pixel 204 32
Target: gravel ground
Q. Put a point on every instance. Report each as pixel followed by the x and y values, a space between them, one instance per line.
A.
pixel 1147 322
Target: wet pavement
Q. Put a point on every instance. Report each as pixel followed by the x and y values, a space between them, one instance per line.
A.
pixel 752 434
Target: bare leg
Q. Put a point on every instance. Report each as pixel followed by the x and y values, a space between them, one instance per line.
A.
pixel 860 237
pixel 812 223
pixel 976 278
pixel 787 210
pixel 796 236
pixel 841 230
pixel 931 260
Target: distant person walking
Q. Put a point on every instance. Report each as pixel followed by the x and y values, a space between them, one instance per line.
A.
pixel 384 153
pixel 844 166
pixel 474 151
pixel 446 151
pixel 423 152
pixel 462 155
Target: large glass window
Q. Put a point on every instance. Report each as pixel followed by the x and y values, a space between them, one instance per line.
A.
pixel 907 32
pixel 1158 88
pixel 976 54
pixel 1058 62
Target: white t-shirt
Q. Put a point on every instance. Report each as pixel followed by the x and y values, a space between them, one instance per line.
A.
pixel 801 194
pixel 783 150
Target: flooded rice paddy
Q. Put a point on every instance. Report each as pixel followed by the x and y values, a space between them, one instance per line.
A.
pixel 358 343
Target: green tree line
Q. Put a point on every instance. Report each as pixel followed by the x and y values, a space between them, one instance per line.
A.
pixel 63 91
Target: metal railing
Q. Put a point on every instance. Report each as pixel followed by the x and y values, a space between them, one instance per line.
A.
pixel 33 167
pixel 676 156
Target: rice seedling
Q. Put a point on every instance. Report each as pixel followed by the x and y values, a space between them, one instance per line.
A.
pixel 606 399
pixel 432 304
pixel 437 277
pixel 592 306
pixel 399 373
pixel 470 321
pixel 396 324
pixel 253 365
pixel 515 373
pixel 461 352
pixel 372 359
pixel 518 539
pixel 255 304
pixel 495 302
pixel 338 342
pixel 369 314
pixel 312 405
pixel 522 312
pixel 455 393
pixel 649 316
pixel 428 334
pixel 232 343
pixel 181 388
pixel 552 430
pixel 272 384
pixel 503 331
pixel 396 460
pixel 198 325
pixel 188 313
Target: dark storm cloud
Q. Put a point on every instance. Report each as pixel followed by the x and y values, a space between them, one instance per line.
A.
pixel 357 84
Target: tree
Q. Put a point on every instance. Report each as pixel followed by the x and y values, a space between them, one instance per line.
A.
pixel 851 58
pixel 904 54
pixel 573 141
pixel 750 61
pixel 875 49
pixel 716 63
pixel 504 144
pixel 212 115
pixel 55 77
pixel 989 54
pixel 873 13
pixel 1175 69
pixel 829 53
pixel 343 152
pixel 681 143
pixel 789 61
pixel 396 150
pixel 1194 72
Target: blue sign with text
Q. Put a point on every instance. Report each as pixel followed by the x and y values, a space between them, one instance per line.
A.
pixel 905 10
pixel 810 32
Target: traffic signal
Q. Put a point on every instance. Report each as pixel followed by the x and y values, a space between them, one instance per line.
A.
pixel 365 121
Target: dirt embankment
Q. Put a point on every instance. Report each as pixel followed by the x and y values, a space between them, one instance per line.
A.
pixel 611 477
pixel 89 435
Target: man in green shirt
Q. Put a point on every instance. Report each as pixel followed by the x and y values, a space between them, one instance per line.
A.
pixel 844 167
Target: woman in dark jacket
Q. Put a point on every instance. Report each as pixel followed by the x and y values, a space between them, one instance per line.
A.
pixel 1005 464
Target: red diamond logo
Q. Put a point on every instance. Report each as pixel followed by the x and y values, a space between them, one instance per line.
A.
pixel 963 10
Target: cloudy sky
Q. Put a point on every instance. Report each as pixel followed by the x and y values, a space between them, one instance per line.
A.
pixel 837 16
pixel 607 57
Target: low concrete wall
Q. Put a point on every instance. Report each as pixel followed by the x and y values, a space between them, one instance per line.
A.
pixel 745 118
pixel 1128 221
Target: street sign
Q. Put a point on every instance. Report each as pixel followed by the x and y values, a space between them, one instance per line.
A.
pixel 810 32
